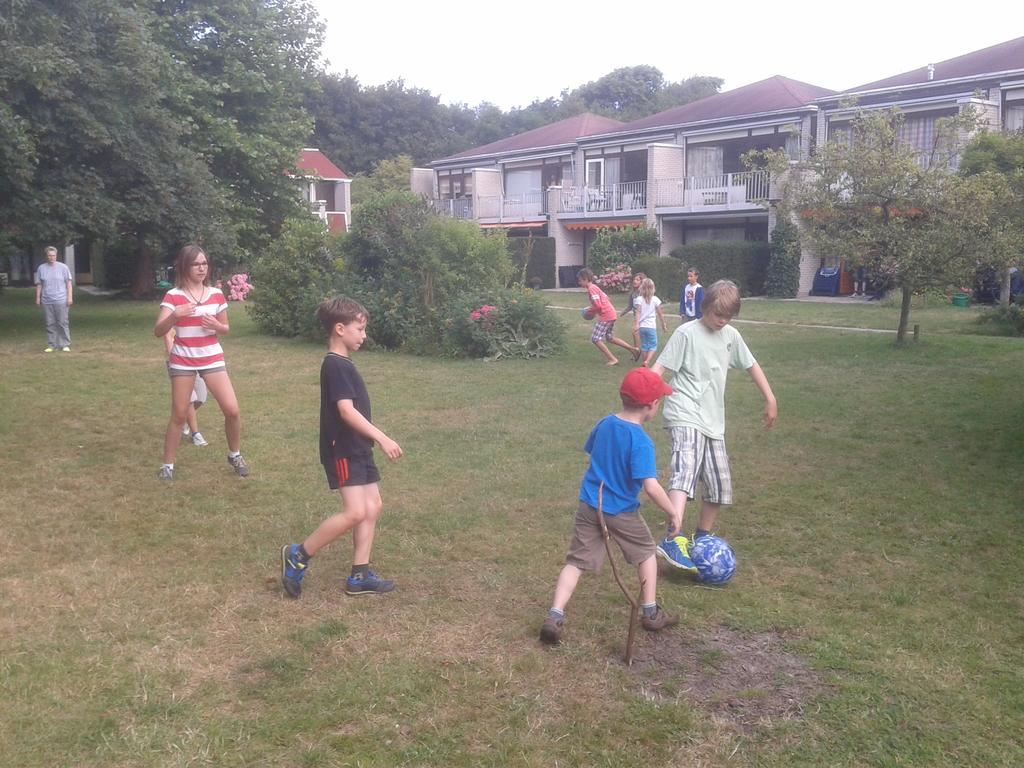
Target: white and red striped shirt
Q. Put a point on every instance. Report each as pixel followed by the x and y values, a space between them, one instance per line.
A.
pixel 195 348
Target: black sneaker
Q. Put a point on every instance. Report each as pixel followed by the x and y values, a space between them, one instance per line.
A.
pixel 551 631
pixel 369 584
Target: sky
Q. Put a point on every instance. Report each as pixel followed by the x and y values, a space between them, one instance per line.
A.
pixel 512 53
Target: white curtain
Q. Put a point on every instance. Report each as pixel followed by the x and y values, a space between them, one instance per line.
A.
pixel 918 133
pixel 704 161
pixel 1013 120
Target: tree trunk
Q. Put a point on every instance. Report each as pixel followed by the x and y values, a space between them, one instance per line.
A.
pixel 901 332
pixel 142 284
pixel 1004 288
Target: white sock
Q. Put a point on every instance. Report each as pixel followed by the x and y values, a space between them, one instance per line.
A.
pixel 234 454
pixel 170 466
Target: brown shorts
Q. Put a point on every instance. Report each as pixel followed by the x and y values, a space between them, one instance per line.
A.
pixel 627 529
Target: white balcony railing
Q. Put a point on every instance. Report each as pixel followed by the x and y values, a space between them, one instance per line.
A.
pixel 623 198
pixel 521 207
pixel 726 190
pixel 457 209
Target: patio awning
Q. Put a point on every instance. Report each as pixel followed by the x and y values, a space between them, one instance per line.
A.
pixel 514 225
pixel 605 223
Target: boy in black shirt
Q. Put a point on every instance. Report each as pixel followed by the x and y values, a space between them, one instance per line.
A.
pixel 346 451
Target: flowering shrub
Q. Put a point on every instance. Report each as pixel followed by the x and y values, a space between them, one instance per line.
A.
pixel 236 288
pixel 618 278
pixel 513 324
pixel 487 315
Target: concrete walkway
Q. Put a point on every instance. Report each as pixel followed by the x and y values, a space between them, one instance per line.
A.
pixel 774 322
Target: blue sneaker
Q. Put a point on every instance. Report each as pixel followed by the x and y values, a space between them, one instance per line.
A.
pixel 676 552
pixel 293 568
pixel 370 584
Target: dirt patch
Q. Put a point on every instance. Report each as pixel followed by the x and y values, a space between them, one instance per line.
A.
pixel 749 680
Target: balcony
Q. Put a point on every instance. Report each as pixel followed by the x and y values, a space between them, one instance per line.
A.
pixel 461 208
pixel 527 206
pixel 723 192
pixel 626 198
pixel 336 221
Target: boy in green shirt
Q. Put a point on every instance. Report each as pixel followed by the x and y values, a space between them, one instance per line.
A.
pixel 698 356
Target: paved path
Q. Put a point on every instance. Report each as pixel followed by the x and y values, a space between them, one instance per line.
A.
pixel 772 322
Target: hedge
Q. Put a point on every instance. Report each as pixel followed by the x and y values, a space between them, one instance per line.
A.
pixel 743 262
pixel 783 276
pixel 668 276
pixel 542 258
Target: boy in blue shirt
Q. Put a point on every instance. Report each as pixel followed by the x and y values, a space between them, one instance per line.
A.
pixel 691 297
pixel 622 458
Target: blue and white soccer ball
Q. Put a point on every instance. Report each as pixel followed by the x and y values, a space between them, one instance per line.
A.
pixel 714 558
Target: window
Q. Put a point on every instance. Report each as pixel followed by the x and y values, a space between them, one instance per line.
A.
pixel 595 173
pixel 841 134
pixel 714 234
pixel 704 161
pixel 1013 118
pixel 918 133
pixel 523 181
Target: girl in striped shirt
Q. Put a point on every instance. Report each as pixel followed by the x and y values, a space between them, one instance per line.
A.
pixel 198 314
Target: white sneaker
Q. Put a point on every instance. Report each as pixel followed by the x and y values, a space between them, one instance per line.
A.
pixel 165 473
pixel 198 439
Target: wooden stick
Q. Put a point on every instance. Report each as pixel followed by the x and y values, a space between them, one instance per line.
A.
pixel 634 603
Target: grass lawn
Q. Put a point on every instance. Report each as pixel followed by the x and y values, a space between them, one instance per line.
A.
pixel 876 619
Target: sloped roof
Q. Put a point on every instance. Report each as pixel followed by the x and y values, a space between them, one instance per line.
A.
pixel 557 134
pixel 774 94
pixel 315 163
pixel 1003 57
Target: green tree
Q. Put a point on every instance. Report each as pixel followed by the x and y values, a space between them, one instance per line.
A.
pixel 390 175
pixel 999 158
pixel 363 126
pixel 905 214
pixel 85 90
pixel 154 121
pixel 248 67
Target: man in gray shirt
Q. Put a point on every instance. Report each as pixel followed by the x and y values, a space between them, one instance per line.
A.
pixel 54 292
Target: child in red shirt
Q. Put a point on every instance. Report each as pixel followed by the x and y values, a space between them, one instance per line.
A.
pixel 606 316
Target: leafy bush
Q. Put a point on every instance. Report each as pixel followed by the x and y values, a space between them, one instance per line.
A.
pixel 406 264
pixel 1007 321
pixel 743 262
pixel 534 260
pixel 292 277
pixel 782 277
pixel 618 279
pixel 508 324
pixel 612 247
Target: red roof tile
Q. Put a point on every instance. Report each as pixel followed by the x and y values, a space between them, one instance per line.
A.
pixel 563 132
pixel 771 95
pixel 315 163
pixel 1004 57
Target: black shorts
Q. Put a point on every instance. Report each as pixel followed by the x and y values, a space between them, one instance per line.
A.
pixel 353 470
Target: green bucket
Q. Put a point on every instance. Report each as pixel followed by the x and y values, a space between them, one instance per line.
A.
pixel 961 300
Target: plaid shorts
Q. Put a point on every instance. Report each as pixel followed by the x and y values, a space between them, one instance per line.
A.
pixel 603 330
pixel 695 456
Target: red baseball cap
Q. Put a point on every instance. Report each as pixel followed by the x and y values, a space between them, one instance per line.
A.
pixel 643 386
